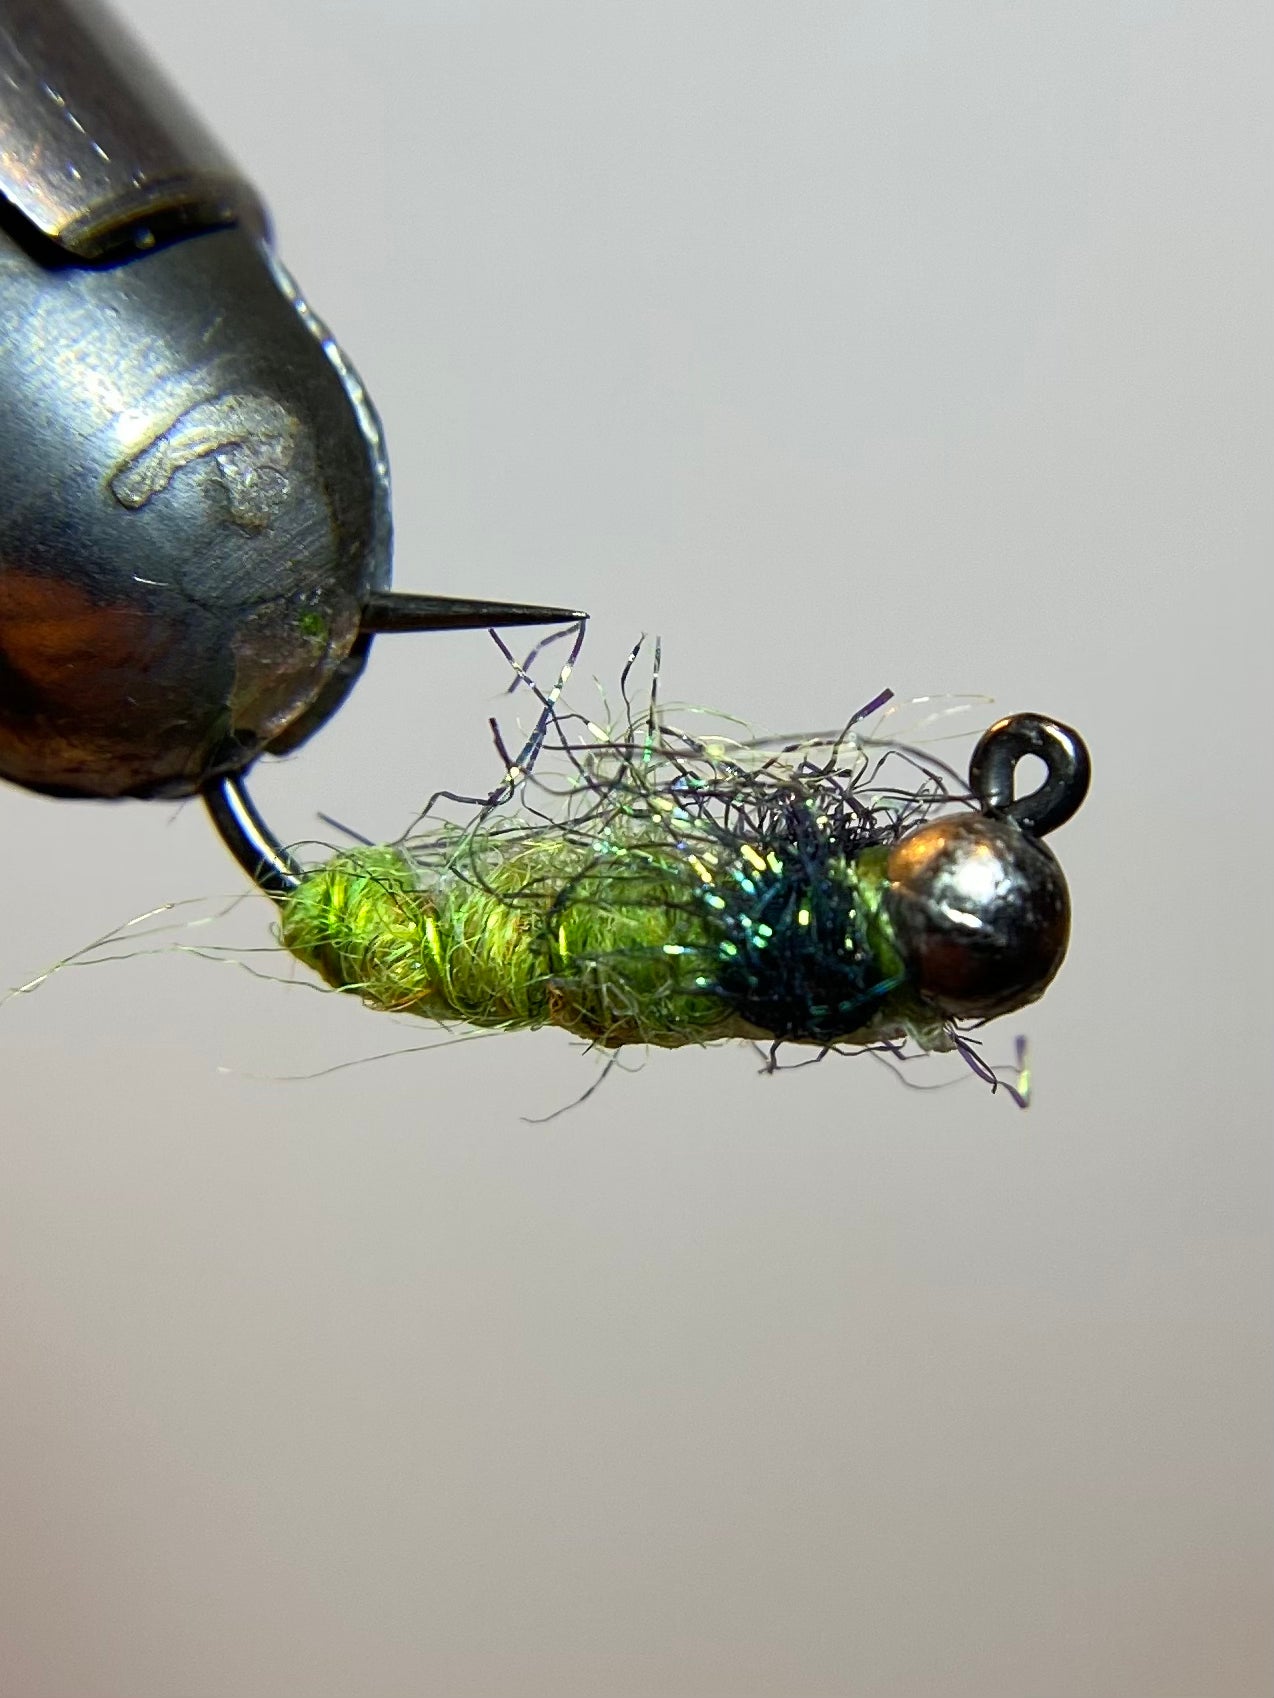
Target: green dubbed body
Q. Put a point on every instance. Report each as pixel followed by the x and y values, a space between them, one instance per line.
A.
pixel 630 937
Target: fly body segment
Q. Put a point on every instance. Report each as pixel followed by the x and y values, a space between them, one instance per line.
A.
pixel 677 890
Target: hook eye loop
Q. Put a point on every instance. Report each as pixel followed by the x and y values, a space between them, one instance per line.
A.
pixel 1067 771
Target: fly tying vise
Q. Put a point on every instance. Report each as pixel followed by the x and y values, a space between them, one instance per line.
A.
pixel 195 529
pixel 195 560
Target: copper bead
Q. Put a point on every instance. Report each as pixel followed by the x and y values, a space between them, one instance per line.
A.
pixel 980 913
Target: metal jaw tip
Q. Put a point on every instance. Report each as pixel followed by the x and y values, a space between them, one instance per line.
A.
pixel 231 809
pixel 388 611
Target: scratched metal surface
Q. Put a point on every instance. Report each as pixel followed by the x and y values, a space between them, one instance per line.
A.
pixel 895 345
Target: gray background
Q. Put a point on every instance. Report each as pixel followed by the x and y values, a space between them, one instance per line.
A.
pixel 847 345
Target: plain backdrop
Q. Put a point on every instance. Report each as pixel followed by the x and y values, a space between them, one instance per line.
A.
pixel 846 345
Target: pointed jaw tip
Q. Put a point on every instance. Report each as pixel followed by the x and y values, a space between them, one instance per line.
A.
pixel 388 611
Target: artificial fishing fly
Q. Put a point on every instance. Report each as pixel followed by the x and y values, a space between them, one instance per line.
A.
pixel 834 892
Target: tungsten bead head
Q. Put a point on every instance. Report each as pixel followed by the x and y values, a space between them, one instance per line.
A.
pixel 980 914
